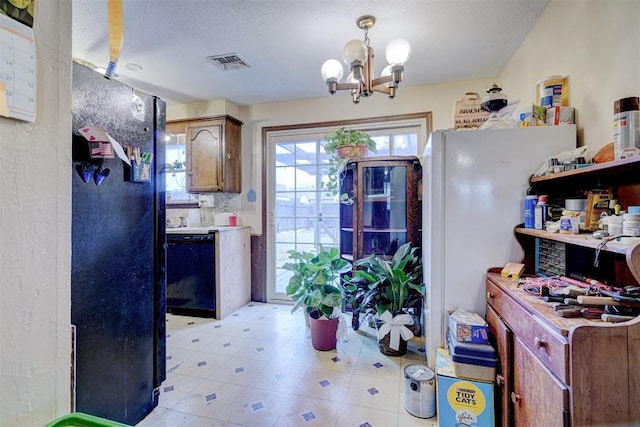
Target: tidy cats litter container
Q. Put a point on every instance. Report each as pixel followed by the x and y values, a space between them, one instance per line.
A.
pixel 420 391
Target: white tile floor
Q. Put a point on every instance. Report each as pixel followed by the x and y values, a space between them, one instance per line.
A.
pixel 257 368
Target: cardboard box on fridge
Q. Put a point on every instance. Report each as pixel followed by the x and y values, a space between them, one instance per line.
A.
pixel 462 402
pixel 467 113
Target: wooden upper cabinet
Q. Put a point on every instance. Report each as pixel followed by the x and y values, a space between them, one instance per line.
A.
pixel 213 154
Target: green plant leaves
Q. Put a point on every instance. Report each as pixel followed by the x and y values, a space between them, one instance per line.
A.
pixel 381 285
pixel 338 138
pixel 316 281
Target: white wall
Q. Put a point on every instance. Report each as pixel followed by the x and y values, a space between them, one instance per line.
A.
pixel 35 248
pixel 596 43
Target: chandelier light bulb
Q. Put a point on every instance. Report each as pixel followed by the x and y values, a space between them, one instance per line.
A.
pixel 331 69
pixel 351 79
pixel 398 52
pixel 355 50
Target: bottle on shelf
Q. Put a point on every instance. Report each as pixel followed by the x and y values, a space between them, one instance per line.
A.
pixel 530 202
pixel 540 213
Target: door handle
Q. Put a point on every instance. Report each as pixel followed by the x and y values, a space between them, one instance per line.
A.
pixel 515 398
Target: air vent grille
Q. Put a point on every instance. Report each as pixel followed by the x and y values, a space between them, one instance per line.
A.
pixel 229 61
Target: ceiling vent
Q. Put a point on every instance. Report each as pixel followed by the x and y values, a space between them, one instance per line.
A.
pixel 229 61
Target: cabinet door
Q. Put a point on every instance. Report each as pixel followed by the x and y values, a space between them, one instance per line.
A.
pixel 502 337
pixel 232 170
pixel 348 245
pixel 538 397
pixel 384 209
pixel 204 151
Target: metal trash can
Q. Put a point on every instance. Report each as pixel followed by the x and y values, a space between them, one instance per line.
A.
pixel 420 391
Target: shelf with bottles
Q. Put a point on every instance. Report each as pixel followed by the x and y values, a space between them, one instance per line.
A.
pixel 620 177
pixel 549 254
pixel 621 170
pixel 620 245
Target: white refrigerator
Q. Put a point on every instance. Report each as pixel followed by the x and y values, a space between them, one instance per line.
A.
pixel 474 184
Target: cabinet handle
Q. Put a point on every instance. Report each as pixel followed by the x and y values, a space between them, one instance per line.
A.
pixel 228 155
pixel 499 380
pixel 538 343
pixel 490 295
pixel 515 398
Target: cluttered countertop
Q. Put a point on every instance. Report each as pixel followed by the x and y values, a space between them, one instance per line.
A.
pixel 525 290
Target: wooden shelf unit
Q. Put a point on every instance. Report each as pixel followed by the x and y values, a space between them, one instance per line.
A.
pixel 557 371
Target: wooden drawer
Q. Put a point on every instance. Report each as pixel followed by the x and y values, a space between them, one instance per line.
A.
pixel 551 348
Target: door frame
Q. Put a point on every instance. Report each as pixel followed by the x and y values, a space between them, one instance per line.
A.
pixel 259 243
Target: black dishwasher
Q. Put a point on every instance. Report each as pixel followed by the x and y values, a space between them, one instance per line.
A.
pixel 191 275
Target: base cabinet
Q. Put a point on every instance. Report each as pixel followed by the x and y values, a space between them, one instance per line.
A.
pixel 502 341
pixel 538 397
pixel 556 371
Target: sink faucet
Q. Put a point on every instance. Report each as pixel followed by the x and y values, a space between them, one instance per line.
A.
pixel 183 221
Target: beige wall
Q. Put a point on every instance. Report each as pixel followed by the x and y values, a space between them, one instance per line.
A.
pixel 596 43
pixel 35 225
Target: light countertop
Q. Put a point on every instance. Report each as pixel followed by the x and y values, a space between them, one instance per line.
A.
pixel 203 230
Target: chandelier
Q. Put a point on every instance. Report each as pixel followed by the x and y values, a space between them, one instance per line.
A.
pixel 360 58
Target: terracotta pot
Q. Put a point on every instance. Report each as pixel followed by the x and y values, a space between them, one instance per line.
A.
pixel 323 333
pixel 383 344
pixel 350 151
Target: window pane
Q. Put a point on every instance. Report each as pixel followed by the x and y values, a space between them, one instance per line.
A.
pixel 285 178
pixel 285 154
pixel 382 144
pixel 306 177
pixel 306 204
pixel 306 153
pixel 405 144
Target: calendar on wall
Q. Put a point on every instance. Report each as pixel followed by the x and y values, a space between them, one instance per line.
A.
pixel 17 70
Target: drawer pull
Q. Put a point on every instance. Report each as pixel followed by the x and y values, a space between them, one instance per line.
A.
pixel 490 295
pixel 499 380
pixel 515 398
pixel 538 343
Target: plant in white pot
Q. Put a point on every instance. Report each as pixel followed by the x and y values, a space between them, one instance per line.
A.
pixel 389 290
pixel 316 286
pixel 342 145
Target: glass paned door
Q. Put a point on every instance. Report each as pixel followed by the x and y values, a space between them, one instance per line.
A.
pixel 384 216
pixel 303 215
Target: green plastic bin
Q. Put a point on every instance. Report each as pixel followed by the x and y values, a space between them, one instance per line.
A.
pixel 78 419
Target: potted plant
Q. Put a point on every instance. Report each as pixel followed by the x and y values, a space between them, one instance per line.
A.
pixel 389 290
pixel 343 145
pixel 315 285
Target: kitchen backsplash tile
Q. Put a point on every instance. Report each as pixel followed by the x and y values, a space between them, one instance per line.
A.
pixel 223 202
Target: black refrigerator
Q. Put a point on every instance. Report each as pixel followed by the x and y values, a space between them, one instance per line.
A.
pixel 118 250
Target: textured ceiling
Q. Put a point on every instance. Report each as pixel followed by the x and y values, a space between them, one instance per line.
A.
pixel 286 42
